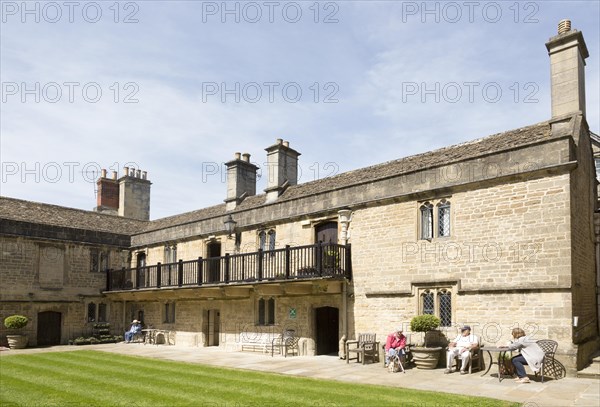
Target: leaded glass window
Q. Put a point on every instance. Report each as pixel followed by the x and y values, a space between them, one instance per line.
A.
pixel 271 240
pixel 426 221
pixel 445 304
pixel 444 219
pixel 91 312
pixel 428 304
pixel 262 240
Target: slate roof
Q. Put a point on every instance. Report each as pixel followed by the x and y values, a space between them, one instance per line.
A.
pixel 447 155
pixel 46 214
pixel 56 215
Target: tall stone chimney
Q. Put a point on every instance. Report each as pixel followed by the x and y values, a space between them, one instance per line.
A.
pixel 567 52
pixel 134 194
pixel 282 168
pixel 241 180
pixel 107 200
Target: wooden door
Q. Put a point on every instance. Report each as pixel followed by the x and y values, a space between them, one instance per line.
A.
pixel 214 320
pixel 327 233
pixel 48 328
pixel 327 329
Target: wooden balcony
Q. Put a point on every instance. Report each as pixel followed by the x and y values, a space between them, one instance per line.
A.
pixel 320 261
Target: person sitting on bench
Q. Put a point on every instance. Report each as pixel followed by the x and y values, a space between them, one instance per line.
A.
pixel 394 345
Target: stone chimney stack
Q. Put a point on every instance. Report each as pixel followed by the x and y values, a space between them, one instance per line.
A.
pixel 108 194
pixel 567 52
pixel 134 194
pixel 282 168
pixel 241 180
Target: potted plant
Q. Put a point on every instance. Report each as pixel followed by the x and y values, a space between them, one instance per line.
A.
pixel 428 355
pixel 16 323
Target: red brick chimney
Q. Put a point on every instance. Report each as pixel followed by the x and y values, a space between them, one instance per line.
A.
pixel 108 194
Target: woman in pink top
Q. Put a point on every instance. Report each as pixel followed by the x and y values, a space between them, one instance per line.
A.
pixel 394 345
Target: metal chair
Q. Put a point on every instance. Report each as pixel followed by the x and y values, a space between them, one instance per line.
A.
pixel 365 346
pixel 549 347
pixel 285 343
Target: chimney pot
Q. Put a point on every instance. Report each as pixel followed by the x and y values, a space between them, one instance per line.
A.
pixel 286 143
pixel 103 173
pixel 138 174
pixel 114 175
pixel 278 141
pixel 144 174
pixel 126 171
pixel 237 156
pixel 246 157
pixel 564 26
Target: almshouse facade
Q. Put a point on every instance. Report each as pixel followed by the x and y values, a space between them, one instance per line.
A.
pixel 495 233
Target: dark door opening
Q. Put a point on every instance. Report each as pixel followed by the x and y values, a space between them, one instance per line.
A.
pixel 141 269
pixel 214 320
pixel 48 328
pixel 214 262
pixel 327 328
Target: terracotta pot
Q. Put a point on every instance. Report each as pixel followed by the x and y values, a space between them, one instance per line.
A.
pixel 17 341
pixel 426 358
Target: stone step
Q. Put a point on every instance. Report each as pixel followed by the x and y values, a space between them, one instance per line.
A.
pixel 590 372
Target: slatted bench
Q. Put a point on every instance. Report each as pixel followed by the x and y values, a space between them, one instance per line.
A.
pixel 256 341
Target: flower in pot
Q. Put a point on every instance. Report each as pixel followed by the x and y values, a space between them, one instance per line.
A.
pixel 16 323
pixel 426 356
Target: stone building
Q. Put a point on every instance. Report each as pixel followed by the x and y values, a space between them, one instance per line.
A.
pixel 498 232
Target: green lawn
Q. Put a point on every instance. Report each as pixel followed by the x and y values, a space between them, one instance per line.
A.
pixel 92 378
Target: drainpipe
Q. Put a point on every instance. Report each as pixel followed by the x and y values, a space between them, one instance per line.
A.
pixel 345 216
pixel 597 234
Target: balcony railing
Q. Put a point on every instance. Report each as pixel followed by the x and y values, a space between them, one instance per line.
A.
pixel 289 263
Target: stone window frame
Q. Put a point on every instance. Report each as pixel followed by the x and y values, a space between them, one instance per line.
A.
pixel 265 311
pixel 437 291
pixel 94 311
pixel 99 260
pixel 267 236
pixel 170 253
pixel 432 209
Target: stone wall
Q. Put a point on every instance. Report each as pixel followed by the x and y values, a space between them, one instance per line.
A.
pixel 505 264
pixel 39 275
pixel 237 327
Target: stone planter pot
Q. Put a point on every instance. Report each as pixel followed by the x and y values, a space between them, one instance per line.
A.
pixel 17 341
pixel 426 358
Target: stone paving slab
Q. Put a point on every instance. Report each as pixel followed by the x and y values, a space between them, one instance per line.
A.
pixel 565 392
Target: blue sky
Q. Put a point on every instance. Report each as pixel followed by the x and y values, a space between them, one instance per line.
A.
pixel 185 85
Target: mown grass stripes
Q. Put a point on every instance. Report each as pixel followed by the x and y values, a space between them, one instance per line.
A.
pixel 93 378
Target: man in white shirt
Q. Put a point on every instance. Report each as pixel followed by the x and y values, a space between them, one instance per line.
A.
pixel 461 346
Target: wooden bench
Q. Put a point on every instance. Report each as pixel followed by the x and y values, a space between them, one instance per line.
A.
pixel 364 347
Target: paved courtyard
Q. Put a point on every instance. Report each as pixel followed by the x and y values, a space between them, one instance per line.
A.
pixel 560 393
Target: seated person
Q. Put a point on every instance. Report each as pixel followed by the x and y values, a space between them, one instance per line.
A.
pixel 394 345
pixel 133 329
pixel 531 354
pixel 461 346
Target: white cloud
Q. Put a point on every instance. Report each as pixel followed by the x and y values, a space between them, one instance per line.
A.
pixel 367 57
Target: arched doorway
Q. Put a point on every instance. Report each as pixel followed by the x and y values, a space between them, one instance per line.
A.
pixel 327 329
pixel 48 328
